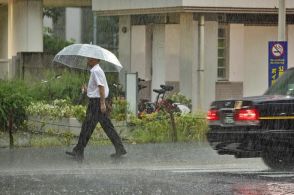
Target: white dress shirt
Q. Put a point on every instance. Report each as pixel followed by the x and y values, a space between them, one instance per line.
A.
pixel 97 78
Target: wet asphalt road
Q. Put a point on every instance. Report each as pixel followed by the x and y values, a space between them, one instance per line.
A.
pixel 147 169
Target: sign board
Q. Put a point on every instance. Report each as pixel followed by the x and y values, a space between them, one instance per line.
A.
pixel 277 60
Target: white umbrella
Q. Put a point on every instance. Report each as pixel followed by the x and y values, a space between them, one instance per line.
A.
pixel 76 55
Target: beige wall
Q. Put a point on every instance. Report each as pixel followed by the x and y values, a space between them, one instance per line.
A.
pixel 127 5
pixel 237 3
pixel 99 5
pixel 256 58
pixel 236 52
pixel 248 59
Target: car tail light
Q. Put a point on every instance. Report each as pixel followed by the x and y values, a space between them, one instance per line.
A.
pixel 247 115
pixel 212 115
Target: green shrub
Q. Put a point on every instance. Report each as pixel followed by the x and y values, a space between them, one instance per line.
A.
pixel 119 109
pixel 156 127
pixel 64 108
pixel 14 98
pixel 57 109
pixel 66 86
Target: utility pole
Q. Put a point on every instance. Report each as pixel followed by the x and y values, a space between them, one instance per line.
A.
pixel 201 62
pixel 94 29
pixel 282 21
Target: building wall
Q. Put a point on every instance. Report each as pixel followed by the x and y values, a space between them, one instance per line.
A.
pixel 3 32
pixel 236 52
pixel 110 5
pixel 256 40
pixel 290 46
pixel 248 57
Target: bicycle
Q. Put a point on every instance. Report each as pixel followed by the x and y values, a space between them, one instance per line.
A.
pixel 145 106
pixel 148 107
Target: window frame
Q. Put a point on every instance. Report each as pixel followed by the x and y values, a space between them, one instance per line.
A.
pixel 225 49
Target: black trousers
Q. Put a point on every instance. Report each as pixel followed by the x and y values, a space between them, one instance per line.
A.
pixel 93 116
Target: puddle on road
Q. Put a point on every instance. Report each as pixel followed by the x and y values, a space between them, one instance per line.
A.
pixel 271 188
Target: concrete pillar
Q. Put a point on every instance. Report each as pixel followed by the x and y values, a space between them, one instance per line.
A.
pixel 172 52
pixel 158 58
pixel 73 24
pixel 25 26
pixel 124 46
pixel 188 57
pixel 141 51
pixel 3 32
pixel 210 63
pixel 282 21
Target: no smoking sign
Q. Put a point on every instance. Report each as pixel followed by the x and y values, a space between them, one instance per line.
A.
pixel 277 60
pixel 277 50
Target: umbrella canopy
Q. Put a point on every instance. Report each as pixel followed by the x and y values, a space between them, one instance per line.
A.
pixel 76 56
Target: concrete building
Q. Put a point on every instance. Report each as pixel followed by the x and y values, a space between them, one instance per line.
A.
pixel 21 28
pixel 207 49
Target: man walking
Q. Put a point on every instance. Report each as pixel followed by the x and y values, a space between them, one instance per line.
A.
pixel 97 91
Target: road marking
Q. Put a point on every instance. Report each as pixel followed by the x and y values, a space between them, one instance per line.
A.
pixel 281 175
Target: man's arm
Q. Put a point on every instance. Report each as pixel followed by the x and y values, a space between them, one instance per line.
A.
pixel 102 98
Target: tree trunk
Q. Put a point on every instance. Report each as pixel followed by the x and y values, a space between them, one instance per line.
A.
pixel 10 125
pixel 174 134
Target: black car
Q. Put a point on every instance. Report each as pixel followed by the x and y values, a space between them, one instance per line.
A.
pixel 260 126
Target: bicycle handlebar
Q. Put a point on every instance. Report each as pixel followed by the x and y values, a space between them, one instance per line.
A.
pixel 159 91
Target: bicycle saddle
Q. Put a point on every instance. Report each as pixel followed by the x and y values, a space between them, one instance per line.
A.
pixel 167 87
pixel 160 91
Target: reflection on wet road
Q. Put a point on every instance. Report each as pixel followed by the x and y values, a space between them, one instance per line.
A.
pixel 147 169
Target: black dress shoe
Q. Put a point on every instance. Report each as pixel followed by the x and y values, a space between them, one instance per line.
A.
pixel 79 156
pixel 118 153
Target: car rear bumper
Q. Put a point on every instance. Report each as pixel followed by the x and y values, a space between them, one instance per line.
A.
pixel 246 141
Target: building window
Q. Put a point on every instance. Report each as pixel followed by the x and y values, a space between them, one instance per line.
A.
pixel 222 56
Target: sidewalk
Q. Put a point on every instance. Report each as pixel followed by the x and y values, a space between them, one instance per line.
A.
pixel 140 156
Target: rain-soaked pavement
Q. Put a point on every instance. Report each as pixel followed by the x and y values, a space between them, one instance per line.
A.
pixel 147 169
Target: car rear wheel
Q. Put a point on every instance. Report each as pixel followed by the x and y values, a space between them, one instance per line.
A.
pixel 278 157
